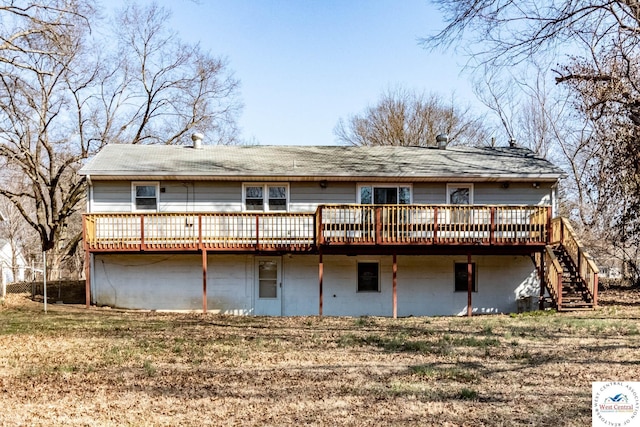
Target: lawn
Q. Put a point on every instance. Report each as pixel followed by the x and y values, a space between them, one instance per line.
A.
pixel 74 366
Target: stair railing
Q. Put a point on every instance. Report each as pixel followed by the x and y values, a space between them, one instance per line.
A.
pixel 553 275
pixel 564 234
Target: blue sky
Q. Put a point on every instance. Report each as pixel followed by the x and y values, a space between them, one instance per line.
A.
pixel 305 64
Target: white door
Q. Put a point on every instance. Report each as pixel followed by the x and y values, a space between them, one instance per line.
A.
pixel 268 286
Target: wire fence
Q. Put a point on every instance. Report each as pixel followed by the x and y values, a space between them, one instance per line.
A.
pixel 21 288
pixel 28 279
pixel 58 291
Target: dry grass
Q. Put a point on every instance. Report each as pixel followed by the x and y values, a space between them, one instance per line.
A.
pixel 105 367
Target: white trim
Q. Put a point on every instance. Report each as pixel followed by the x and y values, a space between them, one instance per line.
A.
pixel 266 306
pixel 89 194
pixel 135 184
pixel 383 185
pixel 461 185
pixel 265 195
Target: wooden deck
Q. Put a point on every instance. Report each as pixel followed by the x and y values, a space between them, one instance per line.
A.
pixel 329 226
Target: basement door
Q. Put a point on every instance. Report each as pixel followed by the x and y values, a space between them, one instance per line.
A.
pixel 268 286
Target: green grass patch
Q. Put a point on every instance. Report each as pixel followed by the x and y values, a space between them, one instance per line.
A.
pixel 149 369
pixel 445 373
pixel 467 394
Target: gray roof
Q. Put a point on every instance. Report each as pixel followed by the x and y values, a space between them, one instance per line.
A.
pixel 294 163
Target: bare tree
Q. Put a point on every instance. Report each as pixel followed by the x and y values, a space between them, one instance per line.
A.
pixel 524 109
pixel 506 32
pixel 407 118
pixel 64 95
pixel 596 46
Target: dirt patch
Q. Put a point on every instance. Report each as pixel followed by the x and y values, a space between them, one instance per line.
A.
pixel 99 367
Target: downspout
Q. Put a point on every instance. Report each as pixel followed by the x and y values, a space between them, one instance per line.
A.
pixel 554 200
pixel 89 193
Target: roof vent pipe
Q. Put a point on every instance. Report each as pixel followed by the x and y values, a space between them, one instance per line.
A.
pixel 442 141
pixel 197 140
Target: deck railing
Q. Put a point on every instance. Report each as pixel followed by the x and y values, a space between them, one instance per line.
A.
pixel 564 234
pixel 433 224
pixel 329 225
pixel 220 231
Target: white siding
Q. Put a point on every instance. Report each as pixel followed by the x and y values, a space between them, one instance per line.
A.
pixel 306 196
pixel 490 193
pixel 430 193
pixel 111 196
pixel 200 197
pixel 513 194
pixel 115 196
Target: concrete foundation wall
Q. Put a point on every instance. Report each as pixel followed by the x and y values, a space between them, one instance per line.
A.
pixel 425 284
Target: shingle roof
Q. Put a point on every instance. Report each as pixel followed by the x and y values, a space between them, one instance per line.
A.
pixel 318 162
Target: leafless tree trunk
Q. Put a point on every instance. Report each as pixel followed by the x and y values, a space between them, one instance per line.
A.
pixel 64 95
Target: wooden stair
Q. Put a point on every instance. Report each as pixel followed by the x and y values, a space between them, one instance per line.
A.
pixel 575 293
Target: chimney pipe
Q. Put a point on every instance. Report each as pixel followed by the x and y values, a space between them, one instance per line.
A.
pixel 442 141
pixel 197 140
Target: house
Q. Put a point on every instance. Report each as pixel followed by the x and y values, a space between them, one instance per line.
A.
pixel 12 262
pixel 328 230
pixel 11 269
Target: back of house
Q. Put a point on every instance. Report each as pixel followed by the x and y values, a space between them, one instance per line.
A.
pixel 331 230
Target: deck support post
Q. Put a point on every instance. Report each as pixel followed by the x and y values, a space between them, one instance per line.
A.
pixel 542 281
pixel 204 280
pixel 395 286
pixel 320 279
pixel 87 276
pixel 469 284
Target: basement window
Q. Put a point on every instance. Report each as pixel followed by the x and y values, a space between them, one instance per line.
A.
pixel 461 277
pixel 368 277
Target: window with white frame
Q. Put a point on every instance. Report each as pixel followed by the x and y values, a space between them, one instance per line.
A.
pixel 368 276
pixel 145 196
pixel 266 197
pixel 384 194
pixel 460 194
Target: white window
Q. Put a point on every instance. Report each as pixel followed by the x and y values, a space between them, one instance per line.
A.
pixel 265 197
pixel 460 194
pixel 144 196
pixel 384 194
